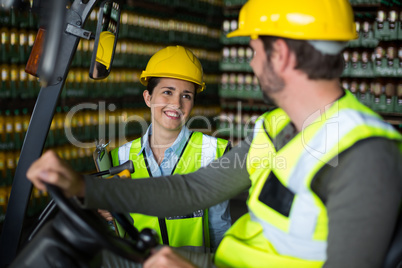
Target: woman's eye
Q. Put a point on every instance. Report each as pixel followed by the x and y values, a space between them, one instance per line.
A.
pixel 167 92
pixel 187 97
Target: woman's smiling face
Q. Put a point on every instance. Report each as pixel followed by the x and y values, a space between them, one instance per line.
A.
pixel 171 103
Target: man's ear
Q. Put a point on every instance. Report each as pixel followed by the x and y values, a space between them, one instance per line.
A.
pixel 282 55
pixel 147 98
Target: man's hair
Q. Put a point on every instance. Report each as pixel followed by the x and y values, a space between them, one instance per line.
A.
pixel 154 81
pixel 309 60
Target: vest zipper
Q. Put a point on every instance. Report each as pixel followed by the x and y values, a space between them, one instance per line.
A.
pixel 162 222
pixel 164 234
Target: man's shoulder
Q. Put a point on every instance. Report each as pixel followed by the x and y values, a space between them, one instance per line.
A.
pixel 367 164
pixel 376 147
pixel 375 154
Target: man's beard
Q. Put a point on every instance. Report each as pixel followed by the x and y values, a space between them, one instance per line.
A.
pixel 268 100
pixel 270 83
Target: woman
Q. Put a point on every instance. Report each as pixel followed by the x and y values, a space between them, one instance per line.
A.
pixel 173 77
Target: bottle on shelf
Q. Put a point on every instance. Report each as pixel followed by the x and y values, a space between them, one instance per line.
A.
pixel 5 45
pixel 380 62
pixel 378 93
pixel 354 87
pixel 355 62
pixel 14 81
pixel 398 106
pixel 381 23
pixel 2 132
pixel 346 58
pixel 240 92
pixel 14 56
pixel 3 186
pixel 18 129
pixel 23 46
pixel 367 33
pixel 5 82
pixel 9 129
pixel 390 96
pixel 392 18
pixel 10 167
pixel 24 92
pixel 364 92
pixel 391 55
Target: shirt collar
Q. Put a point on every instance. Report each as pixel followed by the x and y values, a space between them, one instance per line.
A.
pixel 177 146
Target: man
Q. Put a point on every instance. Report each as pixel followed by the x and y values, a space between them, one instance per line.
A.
pixel 324 171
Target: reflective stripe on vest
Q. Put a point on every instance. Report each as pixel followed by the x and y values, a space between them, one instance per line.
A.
pixel 296 228
pixel 182 231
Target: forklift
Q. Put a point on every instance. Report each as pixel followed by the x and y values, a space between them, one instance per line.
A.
pixel 65 235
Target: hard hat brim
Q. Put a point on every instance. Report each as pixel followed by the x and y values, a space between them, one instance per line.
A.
pixel 238 32
pixel 253 35
pixel 144 80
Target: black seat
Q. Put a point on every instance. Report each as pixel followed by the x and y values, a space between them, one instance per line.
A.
pixel 394 255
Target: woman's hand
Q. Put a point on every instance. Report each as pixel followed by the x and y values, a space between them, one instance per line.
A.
pixel 105 214
pixel 49 168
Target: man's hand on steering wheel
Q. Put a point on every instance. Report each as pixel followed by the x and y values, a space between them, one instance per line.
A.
pixel 54 175
pixel 166 257
pixel 52 170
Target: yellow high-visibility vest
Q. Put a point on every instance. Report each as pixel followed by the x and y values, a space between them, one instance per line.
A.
pixel 287 223
pixel 192 230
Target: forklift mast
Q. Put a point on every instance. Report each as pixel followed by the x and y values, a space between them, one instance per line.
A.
pixel 60 46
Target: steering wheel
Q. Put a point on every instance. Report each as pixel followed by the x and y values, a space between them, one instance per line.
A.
pixel 93 225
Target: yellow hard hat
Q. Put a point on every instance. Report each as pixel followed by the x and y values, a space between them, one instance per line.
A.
pixel 330 20
pixel 105 48
pixel 174 62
